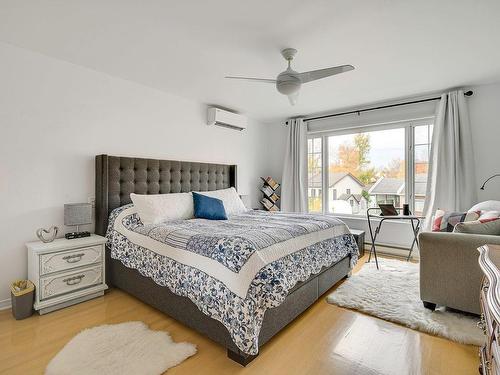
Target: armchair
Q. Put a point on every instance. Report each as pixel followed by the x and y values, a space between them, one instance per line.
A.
pixel 449 269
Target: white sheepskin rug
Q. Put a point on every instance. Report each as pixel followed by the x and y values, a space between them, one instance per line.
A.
pixel 393 293
pixel 126 348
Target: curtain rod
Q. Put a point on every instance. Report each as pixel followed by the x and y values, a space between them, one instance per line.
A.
pixel 467 93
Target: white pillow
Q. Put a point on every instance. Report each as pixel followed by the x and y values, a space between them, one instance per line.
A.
pixel 157 208
pixel 486 206
pixel 488 215
pixel 230 198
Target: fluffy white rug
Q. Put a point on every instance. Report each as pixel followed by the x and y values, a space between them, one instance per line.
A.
pixel 126 348
pixel 392 293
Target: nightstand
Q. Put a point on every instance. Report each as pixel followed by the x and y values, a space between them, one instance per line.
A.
pixel 66 272
pixel 359 236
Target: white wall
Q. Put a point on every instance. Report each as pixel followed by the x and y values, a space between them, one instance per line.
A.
pixel 484 111
pixel 55 116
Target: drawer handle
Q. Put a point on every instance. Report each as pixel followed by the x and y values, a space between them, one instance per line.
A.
pixel 482 324
pixel 74 280
pixel 488 365
pixel 75 258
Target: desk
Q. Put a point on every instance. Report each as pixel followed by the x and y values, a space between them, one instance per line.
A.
pixel 415 221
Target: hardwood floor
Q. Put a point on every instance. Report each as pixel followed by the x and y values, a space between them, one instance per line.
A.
pixel 325 339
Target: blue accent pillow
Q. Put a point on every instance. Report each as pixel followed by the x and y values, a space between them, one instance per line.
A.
pixel 208 207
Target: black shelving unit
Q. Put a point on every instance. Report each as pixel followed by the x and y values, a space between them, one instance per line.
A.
pixel 270 194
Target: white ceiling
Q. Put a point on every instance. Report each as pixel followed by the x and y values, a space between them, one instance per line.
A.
pixel 399 47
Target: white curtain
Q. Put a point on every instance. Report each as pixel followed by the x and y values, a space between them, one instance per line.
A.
pixel 294 179
pixel 451 182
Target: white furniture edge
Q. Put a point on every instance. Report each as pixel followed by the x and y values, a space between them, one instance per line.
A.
pixel 62 244
pixel 493 287
pixel 70 299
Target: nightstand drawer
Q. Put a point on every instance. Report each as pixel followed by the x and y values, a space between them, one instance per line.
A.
pixel 51 286
pixel 61 261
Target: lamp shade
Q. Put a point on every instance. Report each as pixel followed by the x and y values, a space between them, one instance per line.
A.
pixel 77 214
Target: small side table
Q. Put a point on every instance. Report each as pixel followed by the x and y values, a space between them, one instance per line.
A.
pixel 415 221
pixel 66 272
pixel 359 236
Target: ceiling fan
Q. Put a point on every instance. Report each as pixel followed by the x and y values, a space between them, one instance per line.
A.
pixel 289 82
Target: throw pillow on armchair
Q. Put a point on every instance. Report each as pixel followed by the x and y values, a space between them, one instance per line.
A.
pixel 491 227
pixel 486 206
pixel 488 222
pixel 446 221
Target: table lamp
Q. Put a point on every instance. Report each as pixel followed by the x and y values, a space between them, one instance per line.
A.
pixel 77 214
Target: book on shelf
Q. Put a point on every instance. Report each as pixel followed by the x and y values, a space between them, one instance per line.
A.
pixel 267 190
pixel 270 198
pixel 274 197
pixel 271 182
pixel 267 204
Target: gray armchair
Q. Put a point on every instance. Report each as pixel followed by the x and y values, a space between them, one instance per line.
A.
pixel 449 270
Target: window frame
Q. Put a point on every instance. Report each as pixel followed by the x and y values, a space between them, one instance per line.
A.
pixel 307 172
pixel 409 128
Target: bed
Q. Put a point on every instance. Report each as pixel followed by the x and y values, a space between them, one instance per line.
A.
pixel 280 264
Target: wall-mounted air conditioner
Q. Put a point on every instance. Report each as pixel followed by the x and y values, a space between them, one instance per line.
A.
pixel 220 117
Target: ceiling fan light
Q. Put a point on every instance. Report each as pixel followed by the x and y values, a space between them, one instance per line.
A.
pixel 288 88
pixel 293 98
pixel 288 82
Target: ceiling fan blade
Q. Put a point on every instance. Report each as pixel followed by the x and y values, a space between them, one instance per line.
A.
pixel 264 80
pixel 313 75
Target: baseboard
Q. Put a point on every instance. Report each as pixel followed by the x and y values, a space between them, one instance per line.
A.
pixel 5 304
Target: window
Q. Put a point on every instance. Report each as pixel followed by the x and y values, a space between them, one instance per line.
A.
pixel 422 149
pixel 377 164
pixel 314 174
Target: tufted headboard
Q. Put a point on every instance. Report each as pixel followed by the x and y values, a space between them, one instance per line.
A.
pixel 118 176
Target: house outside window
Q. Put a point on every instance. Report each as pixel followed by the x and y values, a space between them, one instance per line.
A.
pixel 374 164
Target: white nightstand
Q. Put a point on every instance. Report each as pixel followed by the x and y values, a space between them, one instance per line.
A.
pixel 66 272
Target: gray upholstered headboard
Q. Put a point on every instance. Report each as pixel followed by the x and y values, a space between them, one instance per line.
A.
pixel 118 176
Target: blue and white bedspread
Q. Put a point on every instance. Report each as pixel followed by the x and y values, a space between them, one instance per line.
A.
pixel 233 270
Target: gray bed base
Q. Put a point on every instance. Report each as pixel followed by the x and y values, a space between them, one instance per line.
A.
pixel 117 177
pixel 183 310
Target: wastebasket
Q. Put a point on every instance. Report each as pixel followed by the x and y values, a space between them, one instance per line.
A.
pixel 22 293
